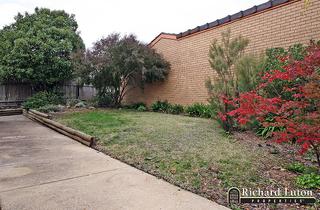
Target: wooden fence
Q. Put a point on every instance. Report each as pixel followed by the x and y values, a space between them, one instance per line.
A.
pixel 15 94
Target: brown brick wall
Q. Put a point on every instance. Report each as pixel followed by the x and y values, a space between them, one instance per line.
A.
pixel 277 27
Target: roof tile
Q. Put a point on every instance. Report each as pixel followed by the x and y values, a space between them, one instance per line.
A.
pixel 225 19
pixel 264 6
pixel 250 11
pixel 214 23
pixel 278 2
pixel 235 16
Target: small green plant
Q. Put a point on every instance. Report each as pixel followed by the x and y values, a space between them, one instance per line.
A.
pixel 267 131
pixel 175 109
pixel 142 108
pixel 41 99
pixel 309 181
pixel 135 105
pixel 160 106
pixel 199 110
pixel 301 168
pixel 296 167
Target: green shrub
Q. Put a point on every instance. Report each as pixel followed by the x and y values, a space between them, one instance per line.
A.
pixel 199 110
pixel 175 109
pixel 166 107
pixel 160 106
pixel 309 181
pixel 142 108
pixel 135 105
pixel 275 60
pixel 274 55
pixel 41 99
pixel 51 108
pixel 104 100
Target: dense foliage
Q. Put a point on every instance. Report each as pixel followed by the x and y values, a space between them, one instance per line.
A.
pixel 166 107
pixel 160 106
pixel 116 64
pixel 43 98
pixel 193 110
pixel 200 110
pixel 176 109
pixel 296 105
pixel 37 48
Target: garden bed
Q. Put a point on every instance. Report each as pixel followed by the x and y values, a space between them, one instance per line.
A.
pixel 193 153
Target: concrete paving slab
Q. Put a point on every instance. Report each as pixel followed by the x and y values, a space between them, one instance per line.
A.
pixel 42 169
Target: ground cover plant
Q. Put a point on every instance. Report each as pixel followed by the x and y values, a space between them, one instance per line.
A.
pixel 192 153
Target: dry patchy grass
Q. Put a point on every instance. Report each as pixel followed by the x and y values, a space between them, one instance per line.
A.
pixel 192 153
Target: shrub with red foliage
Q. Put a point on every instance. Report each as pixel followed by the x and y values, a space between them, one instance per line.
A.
pixel 296 109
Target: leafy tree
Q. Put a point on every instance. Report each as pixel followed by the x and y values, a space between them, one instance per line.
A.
pixel 117 64
pixel 37 48
pixel 223 57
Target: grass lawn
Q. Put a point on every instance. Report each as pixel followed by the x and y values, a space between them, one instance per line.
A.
pixel 192 153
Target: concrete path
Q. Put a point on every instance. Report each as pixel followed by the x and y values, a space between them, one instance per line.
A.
pixel 42 169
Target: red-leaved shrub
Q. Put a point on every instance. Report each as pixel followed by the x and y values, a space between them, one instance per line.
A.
pixel 296 108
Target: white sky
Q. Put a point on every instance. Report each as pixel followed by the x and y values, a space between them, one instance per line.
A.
pixel 144 18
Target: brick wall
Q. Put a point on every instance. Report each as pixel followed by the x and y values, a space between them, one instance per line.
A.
pixel 280 26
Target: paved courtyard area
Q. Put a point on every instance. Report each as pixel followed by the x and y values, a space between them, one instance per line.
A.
pixel 42 169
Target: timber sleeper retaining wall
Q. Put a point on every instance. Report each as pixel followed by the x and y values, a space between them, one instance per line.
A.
pixel 45 119
pixel 8 112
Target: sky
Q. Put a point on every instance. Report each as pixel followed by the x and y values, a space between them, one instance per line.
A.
pixel 144 18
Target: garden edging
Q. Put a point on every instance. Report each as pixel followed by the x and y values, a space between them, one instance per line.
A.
pixel 8 112
pixel 45 119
